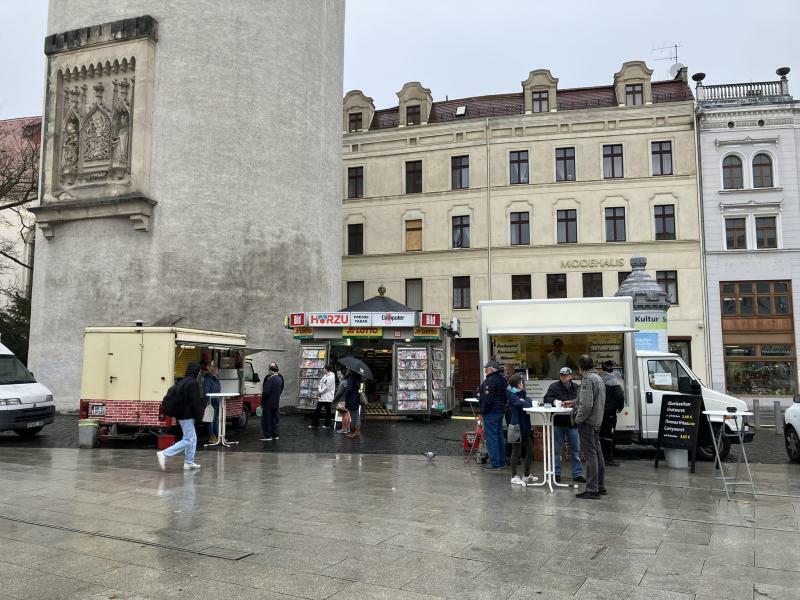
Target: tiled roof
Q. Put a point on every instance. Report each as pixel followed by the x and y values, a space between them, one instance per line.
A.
pixel 480 107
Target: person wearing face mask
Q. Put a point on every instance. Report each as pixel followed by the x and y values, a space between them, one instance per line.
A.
pixel 519 401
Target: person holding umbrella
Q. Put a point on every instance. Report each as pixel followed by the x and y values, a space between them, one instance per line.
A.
pixel 349 391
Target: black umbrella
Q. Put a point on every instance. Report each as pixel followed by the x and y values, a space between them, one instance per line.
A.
pixel 356 366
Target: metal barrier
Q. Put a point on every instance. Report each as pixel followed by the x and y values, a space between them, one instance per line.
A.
pixel 777 413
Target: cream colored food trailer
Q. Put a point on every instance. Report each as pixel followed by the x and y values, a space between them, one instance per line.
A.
pixel 522 333
pixel 128 370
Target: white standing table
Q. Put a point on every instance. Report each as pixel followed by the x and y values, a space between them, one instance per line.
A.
pixel 729 482
pixel 223 409
pixel 548 444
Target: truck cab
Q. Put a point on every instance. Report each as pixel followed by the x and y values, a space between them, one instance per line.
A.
pixel 26 406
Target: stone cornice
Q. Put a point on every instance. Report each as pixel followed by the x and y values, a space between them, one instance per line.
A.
pixel 113 31
pixel 747 140
pixel 137 208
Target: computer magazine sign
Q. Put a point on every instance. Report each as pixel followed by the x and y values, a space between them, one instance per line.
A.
pixel 679 424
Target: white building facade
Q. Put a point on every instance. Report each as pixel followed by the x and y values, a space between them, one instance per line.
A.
pixel 748 144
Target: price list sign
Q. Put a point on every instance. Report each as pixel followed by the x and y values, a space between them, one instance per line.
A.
pixel 679 425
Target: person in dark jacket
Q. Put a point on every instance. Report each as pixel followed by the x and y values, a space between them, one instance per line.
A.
pixel 191 410
pixel 271 404
pixel 492 402
pixel 211 385
pixel 615 402
pixel 565 390
pixel 518 402
pixel 348 391
pixel 588 415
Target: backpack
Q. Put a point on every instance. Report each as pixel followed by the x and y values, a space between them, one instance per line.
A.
pixel 615 398
pixel 173 402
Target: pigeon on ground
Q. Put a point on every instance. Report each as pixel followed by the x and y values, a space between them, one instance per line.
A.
pixel 430 454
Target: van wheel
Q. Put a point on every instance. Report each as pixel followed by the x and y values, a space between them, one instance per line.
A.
pixel 705 446
pixel 792 443
pixel 28 433
pixel 240 422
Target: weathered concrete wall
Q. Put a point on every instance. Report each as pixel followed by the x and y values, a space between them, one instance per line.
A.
pixel 246 172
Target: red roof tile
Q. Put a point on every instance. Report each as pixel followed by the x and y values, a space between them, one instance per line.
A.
pixel 480 107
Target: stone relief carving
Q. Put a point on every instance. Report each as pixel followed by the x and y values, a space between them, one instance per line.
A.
pixel 96 138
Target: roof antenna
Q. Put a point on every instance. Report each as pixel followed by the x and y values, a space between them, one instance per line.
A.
pixel 672 56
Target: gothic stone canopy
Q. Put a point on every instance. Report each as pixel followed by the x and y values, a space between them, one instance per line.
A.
pixel 97 135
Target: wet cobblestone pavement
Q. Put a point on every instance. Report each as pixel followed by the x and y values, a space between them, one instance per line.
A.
pixel 379 437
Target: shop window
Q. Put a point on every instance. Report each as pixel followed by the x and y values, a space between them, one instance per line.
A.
pixel 521 287
pixel 762 171
pixel 540 102
pixel 612 161
pixel 414 294
pixel 567 226
pixel 355 292
pixel 414 235
pixel 565 164
pixel 520 229
pixel 755 299
pixel 622 276
pixel 766 233
pixel 518 165
pixel 683 348
pixel 461 231
pixel 736 233
pixel 664 215
pixel 662 158
pixel 557 285
pixel 754 377
pixel 355 120
pixel 412 115
pixel 355 182
pixel 615 224
pixel 414 177
pixel 461 292
pixel 634 94
pixel 592 285
pixel 355 239
pixel 459 166
pixel 732 174
pixel 668 280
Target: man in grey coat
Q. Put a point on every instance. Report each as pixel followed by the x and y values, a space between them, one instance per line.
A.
pixel 588 415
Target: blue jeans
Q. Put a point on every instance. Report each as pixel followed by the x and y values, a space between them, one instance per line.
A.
pixel 188 443
pixel 213 426
pixel 574 448
pixel 495 440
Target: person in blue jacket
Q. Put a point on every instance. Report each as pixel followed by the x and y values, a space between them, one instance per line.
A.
pixel 519 401
pixel 211 385
pixel 492 402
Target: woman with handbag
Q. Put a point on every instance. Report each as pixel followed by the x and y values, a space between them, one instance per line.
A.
pixel 519 430
pixel 211 385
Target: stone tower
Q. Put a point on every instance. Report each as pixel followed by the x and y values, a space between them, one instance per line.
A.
pixel 191 170
pixel 650 306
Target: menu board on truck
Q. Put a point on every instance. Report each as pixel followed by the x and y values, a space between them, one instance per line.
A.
pixel 312 367
pixel 412 379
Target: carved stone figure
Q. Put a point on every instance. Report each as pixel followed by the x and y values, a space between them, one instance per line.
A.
pixel 97 137
pixel 119 160
pixel 69 153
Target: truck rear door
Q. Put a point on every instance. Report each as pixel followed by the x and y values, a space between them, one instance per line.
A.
pixel 661 376
pixel 124 366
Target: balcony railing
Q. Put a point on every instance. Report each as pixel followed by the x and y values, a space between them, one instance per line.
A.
pixel 742 91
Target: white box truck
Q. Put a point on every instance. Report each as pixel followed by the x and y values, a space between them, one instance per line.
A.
pixel 524 333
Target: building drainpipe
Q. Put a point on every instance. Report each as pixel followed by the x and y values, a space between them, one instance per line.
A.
pixel 701 222
pixel 488 211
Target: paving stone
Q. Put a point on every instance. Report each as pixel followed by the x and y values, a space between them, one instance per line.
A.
pixel 595 589
pixel 698 584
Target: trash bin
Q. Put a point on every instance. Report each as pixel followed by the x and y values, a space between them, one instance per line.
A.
pixel 88 433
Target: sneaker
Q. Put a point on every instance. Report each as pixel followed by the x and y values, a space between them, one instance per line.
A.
pixel 325 427
pixel 558 478
pixel 588 495
pixel 162 460
pixel 343 431
pixel 579 479
pixel 311 427
pixel 276 438
pixel 267 439
pixel 517 480
pixel 491 468
pixel 528 479
pixel 190 466
pixel 213 439
pixel 602 491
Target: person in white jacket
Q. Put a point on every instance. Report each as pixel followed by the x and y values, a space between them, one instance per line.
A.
pixel 327 386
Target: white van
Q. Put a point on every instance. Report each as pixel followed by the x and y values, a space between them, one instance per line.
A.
pixel 25 405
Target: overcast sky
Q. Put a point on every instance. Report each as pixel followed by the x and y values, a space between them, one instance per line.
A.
pixel 461 48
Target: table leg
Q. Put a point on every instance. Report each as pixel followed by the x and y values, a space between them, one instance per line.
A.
pixel 223 418
pixel 548 455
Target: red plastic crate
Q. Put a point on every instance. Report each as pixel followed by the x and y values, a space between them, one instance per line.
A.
pixel 165 441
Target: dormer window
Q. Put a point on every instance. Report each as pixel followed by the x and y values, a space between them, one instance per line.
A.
pixel 355 122
pixel 540 102
pixel 634 94
pixel 412 115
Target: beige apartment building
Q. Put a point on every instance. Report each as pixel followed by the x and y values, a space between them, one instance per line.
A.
pixel 540 193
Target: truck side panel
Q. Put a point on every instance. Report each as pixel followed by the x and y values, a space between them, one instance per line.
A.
pixel 95 366
pixel 158 363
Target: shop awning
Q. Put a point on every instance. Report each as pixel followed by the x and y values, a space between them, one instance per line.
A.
pixel 563 329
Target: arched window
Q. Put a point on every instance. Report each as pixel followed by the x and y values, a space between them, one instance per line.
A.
pixel 732 178
pixel 762 171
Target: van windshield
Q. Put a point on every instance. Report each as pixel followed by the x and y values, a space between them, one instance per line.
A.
pixel 13 371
